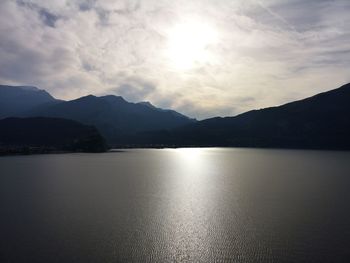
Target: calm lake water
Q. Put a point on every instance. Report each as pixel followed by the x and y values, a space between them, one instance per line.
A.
pixel 176 205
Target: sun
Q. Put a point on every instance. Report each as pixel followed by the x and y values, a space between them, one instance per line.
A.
pixel 188 44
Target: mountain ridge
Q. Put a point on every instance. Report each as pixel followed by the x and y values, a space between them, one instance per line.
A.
pixel 17 99
pixel 112 115
pixel 320 121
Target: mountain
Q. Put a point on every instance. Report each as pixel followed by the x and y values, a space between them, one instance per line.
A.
pixel 320 122
pixel 38 135
pixel 113 116
pixel 15 100
pixel 147 103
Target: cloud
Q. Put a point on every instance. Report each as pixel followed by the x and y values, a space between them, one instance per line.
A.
pixel 265 52
pixel 45 15
pixel 134 90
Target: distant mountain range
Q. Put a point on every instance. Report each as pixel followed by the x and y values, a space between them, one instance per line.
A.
pixel 19 99
pixel 319 122
pixel 113 116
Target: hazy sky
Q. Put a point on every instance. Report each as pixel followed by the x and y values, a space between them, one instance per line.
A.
pixel 201 57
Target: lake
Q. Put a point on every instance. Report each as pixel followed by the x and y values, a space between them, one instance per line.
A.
pixel 176 205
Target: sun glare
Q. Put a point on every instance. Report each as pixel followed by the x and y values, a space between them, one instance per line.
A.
pixel 188 44
pixel 191 154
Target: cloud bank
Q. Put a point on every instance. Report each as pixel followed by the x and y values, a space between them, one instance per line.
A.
pixel 239 55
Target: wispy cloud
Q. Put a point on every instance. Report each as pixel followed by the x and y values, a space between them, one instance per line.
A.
pixel 265 52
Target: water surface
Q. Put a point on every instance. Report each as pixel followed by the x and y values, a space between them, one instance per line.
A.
pixel 176 205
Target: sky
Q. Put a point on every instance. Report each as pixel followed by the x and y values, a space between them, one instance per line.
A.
pixel 203 58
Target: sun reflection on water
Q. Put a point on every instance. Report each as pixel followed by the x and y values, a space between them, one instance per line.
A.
pixel 190 154
pixel 189 206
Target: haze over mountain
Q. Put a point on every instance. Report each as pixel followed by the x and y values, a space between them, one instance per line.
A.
pixel 113 116
pixel 16 100
pixel 320 121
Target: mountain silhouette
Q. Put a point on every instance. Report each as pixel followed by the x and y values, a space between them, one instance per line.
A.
pixel 113 116
pixel 15 100
pixel 321 122
pixel 38 135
